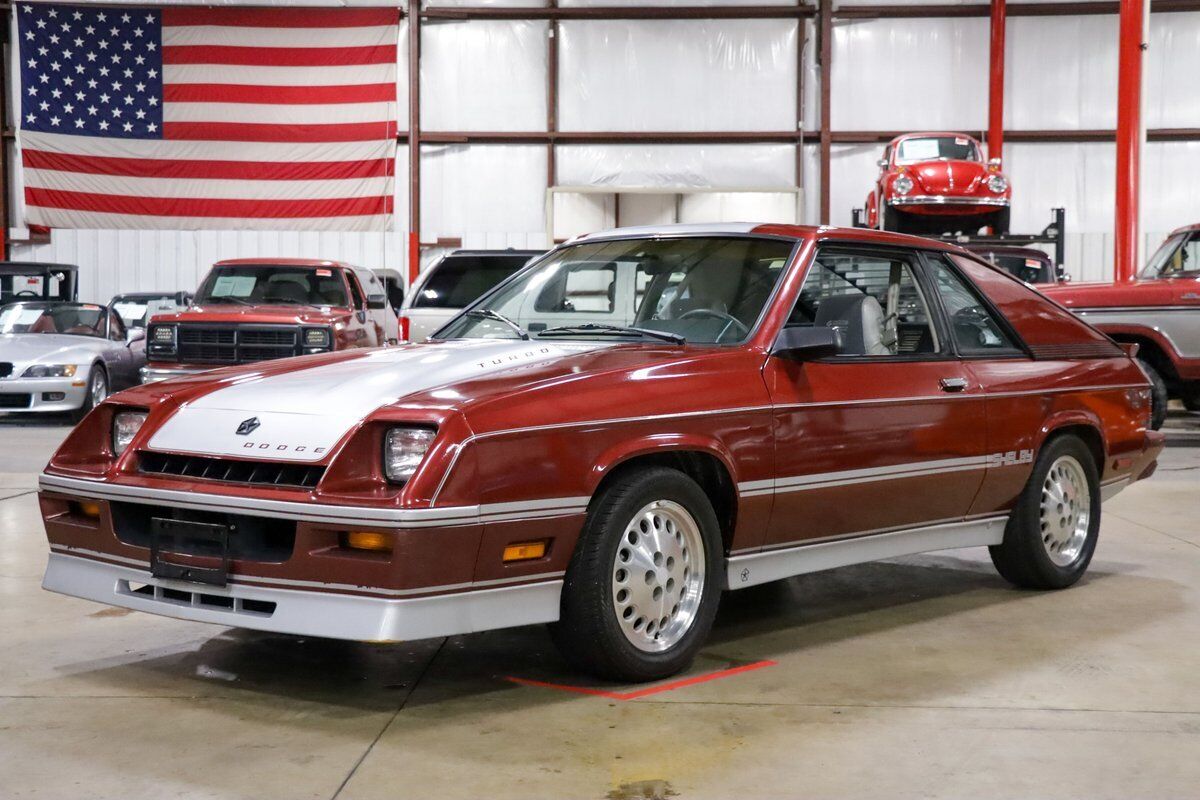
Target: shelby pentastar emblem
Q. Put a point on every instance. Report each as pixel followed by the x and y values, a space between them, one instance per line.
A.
pixel 248 426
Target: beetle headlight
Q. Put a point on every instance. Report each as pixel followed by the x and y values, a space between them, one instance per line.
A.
pixel 902 185
pixel 125 426
pixel 998 183
pixel 50 371
pixel 403 450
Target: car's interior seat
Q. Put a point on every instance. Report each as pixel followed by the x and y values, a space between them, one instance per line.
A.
pixel 860 319
pixel 43 324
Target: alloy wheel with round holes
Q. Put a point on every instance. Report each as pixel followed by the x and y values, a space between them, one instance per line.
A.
pixel 644 581
pixel 1052 532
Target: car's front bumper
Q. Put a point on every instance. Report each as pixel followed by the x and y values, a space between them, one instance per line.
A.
pixel 947 203
pixel 43 395
pixel 149 374
pixel 295 611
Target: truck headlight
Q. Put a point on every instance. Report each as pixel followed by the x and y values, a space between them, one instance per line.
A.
pixel 162 339
pixel 998 183
pixel 403 450
pixel 316 339
pixel 125 426
pixel 902 185
pixel 50 371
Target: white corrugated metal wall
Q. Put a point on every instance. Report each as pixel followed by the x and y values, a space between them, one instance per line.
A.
pixel 701 75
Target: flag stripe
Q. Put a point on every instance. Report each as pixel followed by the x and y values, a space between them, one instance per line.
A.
pixel 250 132
pixel 281 56
pixel 206 169
pixel 214 35
pixel 178 207
pixel 282 95
pixel 289 115
pixel 174 74
pixel 70 218
pixel 212 189
pixel 297 152
pixel 280 17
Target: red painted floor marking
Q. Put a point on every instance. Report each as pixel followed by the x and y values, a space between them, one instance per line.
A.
pixel 649 690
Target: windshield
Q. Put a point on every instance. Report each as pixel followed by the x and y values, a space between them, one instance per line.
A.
pixel 707 290
pixel 1030 270
pixel 1179 254
pixel 265 284
pixel 457 281
pixel 934 148
pixel 16 285
pixel 135 312
pixel 76 319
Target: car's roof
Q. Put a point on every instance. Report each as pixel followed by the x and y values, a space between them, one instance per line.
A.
pixel 924 134
pixel 777 230
pixel 499 253
pixel 1195 226
pixel 15 266
pixel 283 262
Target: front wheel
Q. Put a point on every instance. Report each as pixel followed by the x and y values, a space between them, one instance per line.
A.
pixel 97 390
pixel 1000 222
pixel 644 583
pixel 1190 395
pixel 1052 533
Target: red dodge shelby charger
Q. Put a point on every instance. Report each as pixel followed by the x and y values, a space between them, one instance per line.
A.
pixel 608 440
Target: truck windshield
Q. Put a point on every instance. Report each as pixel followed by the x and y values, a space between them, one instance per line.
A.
pixel 935 148
pixel 696 289
pixel 76 319
pixel 1178 255
pixel 269 284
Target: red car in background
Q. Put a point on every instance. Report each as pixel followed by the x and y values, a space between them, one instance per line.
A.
pixel 256 309
pixel 938 183
pixel 1160 312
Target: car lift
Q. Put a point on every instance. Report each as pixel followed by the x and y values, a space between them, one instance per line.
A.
pixel 1054 233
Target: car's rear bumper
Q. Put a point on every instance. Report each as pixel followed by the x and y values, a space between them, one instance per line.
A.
pixel 44 395
pixel 333 615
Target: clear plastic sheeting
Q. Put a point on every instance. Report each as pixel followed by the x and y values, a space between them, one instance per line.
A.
pixel 674 3
pixel 739 207
pixel 1171 68
pixel 910 74
pixel 483 75
pixel 1048 84
pixel 678 75
pixel 742 166
pixel 490 196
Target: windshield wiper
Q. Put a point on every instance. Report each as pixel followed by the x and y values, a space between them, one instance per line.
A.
pixel 613 330
pixel 487 313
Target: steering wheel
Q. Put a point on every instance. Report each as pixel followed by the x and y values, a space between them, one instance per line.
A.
pixel 729 319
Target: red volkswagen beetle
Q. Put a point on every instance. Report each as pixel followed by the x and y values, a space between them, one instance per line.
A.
pixel 938 183
pixel 607 441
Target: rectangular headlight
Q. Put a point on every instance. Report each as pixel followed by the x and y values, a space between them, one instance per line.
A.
pixel 163 334
pixel 125 426
pixel 316 337
pixel 403 450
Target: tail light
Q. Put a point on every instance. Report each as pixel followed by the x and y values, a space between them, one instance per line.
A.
pixel 404 328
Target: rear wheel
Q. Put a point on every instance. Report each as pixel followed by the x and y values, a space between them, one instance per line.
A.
pixel 1190 395
pixel 97 391
pixel 645 580
pixel 1052 533
pixel 1158 394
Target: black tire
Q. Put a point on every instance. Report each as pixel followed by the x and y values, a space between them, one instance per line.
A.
pixel 1158 394
pixel 892 221
pixel 1190 395
pixel 589 633
pixel 96 373
pixel 999 222
pixel 1023 557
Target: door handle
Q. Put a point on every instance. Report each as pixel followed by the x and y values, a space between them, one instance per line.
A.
pixel 953 384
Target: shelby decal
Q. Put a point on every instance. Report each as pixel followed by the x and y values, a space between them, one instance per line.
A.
pixel 1011 458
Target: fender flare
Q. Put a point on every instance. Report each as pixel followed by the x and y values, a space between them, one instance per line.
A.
pixel 658 444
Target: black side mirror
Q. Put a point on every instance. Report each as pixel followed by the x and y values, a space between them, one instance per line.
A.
pixel 376 302
pixel 806 343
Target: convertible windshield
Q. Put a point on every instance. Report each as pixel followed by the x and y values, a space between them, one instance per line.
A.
pixel 706 290
pixel 78 319
pixel 934 148
pixel 268 284
pixel 1178 255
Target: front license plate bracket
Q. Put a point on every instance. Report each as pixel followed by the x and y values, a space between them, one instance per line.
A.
pixel 166 536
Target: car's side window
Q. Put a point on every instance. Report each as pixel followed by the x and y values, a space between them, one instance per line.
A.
pixel 972 325
pixel 356 295
pixel 872 298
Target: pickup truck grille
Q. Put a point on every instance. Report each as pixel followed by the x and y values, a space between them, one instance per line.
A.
pixel 254 473
pixel 236 344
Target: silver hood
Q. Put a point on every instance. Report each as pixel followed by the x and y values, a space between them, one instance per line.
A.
pixel 25 349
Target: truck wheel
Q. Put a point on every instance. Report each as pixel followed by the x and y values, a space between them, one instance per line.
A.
pixel 1052 532
pixel 645 579
pixel 1158 394
pixel 97 390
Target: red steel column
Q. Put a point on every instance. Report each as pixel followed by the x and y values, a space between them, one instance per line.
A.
pixel 1129 138
pixel 995 137
pixel 414 140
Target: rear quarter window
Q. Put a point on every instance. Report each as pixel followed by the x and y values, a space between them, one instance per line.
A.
pixel 458 281
pixel 1048 330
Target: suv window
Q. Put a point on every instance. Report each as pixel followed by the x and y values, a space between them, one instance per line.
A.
pixel 973 327
pixel 581 288
pixel 458 281
pixel 872 298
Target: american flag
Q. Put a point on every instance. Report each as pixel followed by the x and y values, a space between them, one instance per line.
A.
pixel 218 118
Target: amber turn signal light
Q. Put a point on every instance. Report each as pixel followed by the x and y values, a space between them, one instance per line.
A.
pixel 86 509
pixel 374 541
pixel 524 551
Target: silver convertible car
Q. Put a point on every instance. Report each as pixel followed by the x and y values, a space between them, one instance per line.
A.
pixel 57 356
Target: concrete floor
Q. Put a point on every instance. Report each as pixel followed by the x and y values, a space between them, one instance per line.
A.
pixel 919 677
